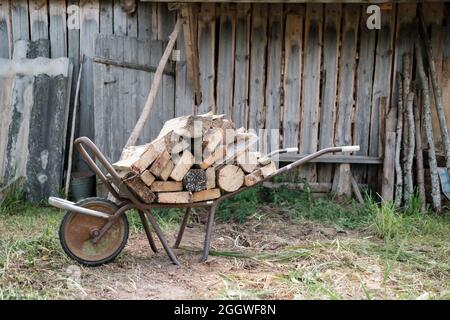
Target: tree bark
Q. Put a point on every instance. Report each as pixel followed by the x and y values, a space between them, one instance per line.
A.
pixel 409 190
pixel 398 147
pixel 419 156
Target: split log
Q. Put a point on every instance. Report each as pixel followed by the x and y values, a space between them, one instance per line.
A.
pixel 154 149
pixel 268 169
pixel 182 166
pixel 135 183
pixel 195 180
pixel 160 163
pixel 230 178
pixel 409 190
pixel 210 178
pixel 147 177
pixel 212 139
pixel 248 161
pixel 217 156
pixel 190 126
pixel 435 187
pixel 166 186
pixel 174 197
pixel 167 170
pixel 206 195
pixel 398 167
pixel 253 178
pixel 419 156
pixel 129 156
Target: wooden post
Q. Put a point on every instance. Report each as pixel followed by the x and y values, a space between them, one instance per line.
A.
pixel 419 155
pixel 155 85
pixel 398 146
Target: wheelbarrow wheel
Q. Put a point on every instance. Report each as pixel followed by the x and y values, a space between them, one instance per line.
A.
pixel 75 234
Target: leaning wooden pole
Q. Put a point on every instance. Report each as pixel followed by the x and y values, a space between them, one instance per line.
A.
pixel 398 147
pixel 437 91
pixel 409 188
pixel 419 156
pixel 435 188
pixel 155 85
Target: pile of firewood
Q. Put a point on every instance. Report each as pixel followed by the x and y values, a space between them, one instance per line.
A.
pixel 194 159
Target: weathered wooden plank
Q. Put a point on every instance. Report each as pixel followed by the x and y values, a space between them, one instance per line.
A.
pixel 347 65
pixel 5 30
pixel 132 24
pixel 332 25
pixel 120 19
pixel 241 63
pixel 184 96
pixel 207 53
pixel 273 85
pixel 381 88
pixel 166 21
pixel 38 19
pixel 106 16
pixel 258 48
pixel 225 64
pixel 445 82
pixel 145 16
pixel 309 125
pixel 364 85
pixel 20 20
pixel 58 28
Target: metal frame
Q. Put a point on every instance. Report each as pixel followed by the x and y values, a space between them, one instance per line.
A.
pixel 129 201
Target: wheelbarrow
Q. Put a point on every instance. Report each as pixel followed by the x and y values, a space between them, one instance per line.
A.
pixel 95 230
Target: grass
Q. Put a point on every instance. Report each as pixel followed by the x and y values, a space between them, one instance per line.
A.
pixel 384 252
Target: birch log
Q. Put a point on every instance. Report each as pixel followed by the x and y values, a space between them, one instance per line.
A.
pixel 419 156
pixel 398 146
pixel 435 189
pixel 409 188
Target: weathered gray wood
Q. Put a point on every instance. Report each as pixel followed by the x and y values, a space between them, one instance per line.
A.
pixel 58 28
pixel 38 19
pixel 420 177
pixel 309 125
pixel 241 63
pixel 381 86
pixel 273 85
pixel 120 19
pixel 20 20
pixel 342 183
pixel 363 104
pixel 206 49
pixel 132 24
pixel 331 33
pixel 258 46
pixel 398 146
pixel 5 30
pixel 387 186
pixel 106 16
pixel 184 96
pixel 292 76
pixel 144 13
pixel 225 64
pixel 166 21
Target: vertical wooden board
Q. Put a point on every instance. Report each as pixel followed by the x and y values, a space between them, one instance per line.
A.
pixel 347 66
pixel 364 86
pixel 6 96
pixel 445 76
pixel 120 19
pixel 38 19
pixel 132 24
pixel 20 21
pixel 144 13
pixel 89 28
pixel 434 15
pixel 309 125
pixel 241 65
pixel 225 63
pixel 258 46
pixel 184 95
pixel 381 87
pixel 166 21
pixel 331 34
pixel 154 22
pixel 128 87
pixel 106 16
pixel 207 55
pixel 273 85
pixel 292 81
pixel 58 29
pixel 144 56
pixel 5 29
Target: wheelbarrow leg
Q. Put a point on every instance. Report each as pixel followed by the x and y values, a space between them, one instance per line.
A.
pixel 182 227
pixel 209 227
pixel 147 231
pixel 162 238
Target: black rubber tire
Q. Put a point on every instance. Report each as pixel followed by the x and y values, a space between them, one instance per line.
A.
pixel 93 263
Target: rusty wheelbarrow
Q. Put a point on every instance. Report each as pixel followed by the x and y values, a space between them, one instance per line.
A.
pixel 95 230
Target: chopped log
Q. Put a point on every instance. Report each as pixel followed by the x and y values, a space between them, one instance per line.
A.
pixel 182 166
pixel 210 178
pixel 167 170
pixel 248 161
pixel 206 195
pixel 253 178
pixel 212 139
pixel 189 126
pixel 195 180
pixel 154 149
pixel 435 187
pixel 230 178
pixel 398 168
pixel 174 197
pixel 411 146
pixel 166 186
pixel 219 121
pixel 147 177
pixel 138 187
pixel 419 157
pixel 217 156
pixel 268 169
pixel 160 163
pixel 129 156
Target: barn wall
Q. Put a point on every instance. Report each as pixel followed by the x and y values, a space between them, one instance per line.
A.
pixel 312 72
